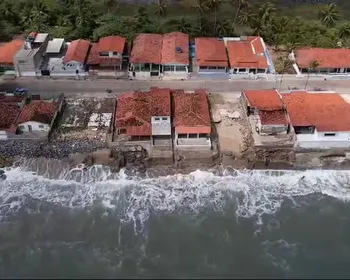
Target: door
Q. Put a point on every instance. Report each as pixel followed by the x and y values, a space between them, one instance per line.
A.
pixel 30 128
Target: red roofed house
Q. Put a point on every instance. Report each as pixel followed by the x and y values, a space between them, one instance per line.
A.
pixel 211 56
pixel 37 117
pixel 175 54
pixel 320 120
pixel 146 56
pixel 266 111
pixel 8 52
pixel 10 108
pixel 330 60
pixel 192 119
pixel 145 117
pixel 76 55
pixel 107 54
pixel 247 55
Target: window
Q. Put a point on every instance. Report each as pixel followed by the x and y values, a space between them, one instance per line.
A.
pixel 21 127
pixel 261 70
pixel 203 135
pixel 169 68
pixel 41 126
pixel 156 119
pixel 180 68
pixel 242 70
pixel 22 61
pixel 104 53
pixel 182 136
pixel 329 134
pixel 203 67
pixel 121 131
pixel 212 67
pixel 221 68
pixel 145 67
pixel 164 118
pixel 115 54
pixel 193 136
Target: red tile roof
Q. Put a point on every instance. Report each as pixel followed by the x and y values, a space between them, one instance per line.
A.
pixel 11 99
pixel 39 111
pixel 211 52
pixel 9 114
pixel 112 44
pixel 77 51
pixel 9 50
pixel 247 54
pixel 147 48
pixel 277 117
pixel 174 40
pixel 328 58
pixel 266 100
pixel 325 111
pixel 191 112
pixel 135 110
pixel 257 43
pixel 95 59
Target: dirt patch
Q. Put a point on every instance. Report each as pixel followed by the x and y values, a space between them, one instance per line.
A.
pixel 230 124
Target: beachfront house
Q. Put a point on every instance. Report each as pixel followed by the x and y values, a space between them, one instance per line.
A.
pixel 192 120
pixel 320 120
pixel 265 111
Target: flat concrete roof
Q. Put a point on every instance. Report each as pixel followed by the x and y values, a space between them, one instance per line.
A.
pixel 25 53
pixel 55 45
pixel 41 37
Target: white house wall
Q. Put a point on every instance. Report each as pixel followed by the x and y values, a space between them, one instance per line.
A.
pixel 317 140
pixel 35 126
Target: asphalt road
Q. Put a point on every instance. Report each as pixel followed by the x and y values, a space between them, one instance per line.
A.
pixel 98 87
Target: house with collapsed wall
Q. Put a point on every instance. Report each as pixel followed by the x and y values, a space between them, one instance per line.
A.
pixel 144 118
pixel 330 61
pixel 192 120
pixel 87 118
pixel 320 120
pixel 266 111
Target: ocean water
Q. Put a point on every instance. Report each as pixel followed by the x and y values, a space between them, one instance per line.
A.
pixel 62 223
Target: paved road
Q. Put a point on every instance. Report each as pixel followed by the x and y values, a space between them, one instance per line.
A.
pixel 98 87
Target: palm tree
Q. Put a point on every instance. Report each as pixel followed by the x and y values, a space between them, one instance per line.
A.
pixel 312 68
pixel 245 17
pixel 240 4
pixel 200 7
pixel 202 28
pixel 329 15
pixel 344 31
pixel 160 8
pixel 182 25
pixel 284 64
pixel 224 28
pixel 213 6
pixel 7 10
pixel 265 12
pixel 110 4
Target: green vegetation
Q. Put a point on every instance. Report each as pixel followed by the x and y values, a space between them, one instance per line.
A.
pixel 282 26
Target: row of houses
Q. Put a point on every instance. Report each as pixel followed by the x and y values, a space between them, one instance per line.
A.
pixel 172 55
pixel 310 120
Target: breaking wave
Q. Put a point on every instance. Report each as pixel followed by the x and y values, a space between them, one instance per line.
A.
pixel 135 198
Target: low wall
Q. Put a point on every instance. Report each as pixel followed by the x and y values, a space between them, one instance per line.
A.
pixel 192 142
pixel 322 144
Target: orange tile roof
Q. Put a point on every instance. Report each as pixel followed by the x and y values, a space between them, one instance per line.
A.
pixel 277 117
pixel 9 50
pixel 77 51
pixel 39 111
pixel 257 43
pixel 174 40
pixel 9 114
pixel 135 110
pixel 147 48
pixel 266 100
pixel 191 112
pixel 243 54
pixel 95 59
pixel 325 111
pixel 112 44
pixel 328 58
pixel 211 52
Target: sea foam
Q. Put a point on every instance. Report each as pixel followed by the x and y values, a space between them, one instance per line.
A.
pixel 254 193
